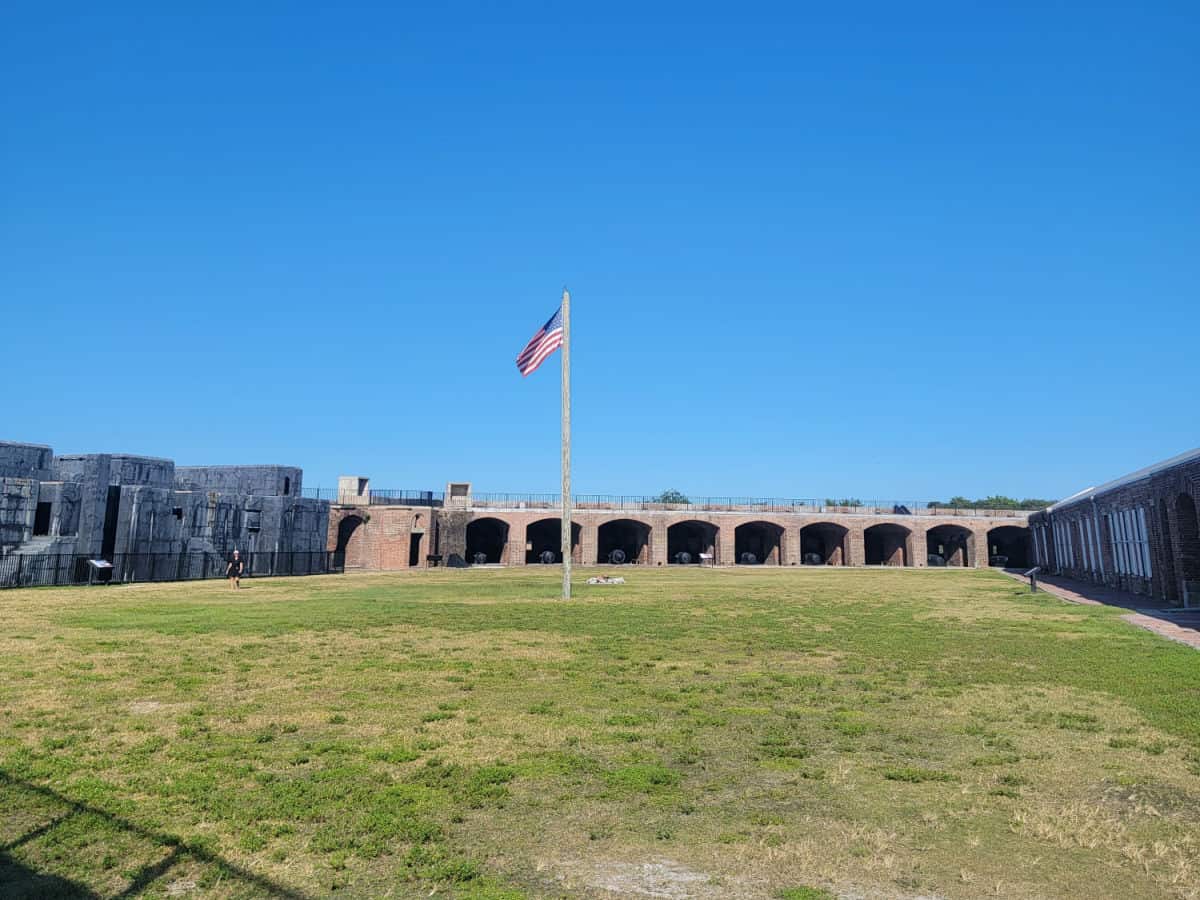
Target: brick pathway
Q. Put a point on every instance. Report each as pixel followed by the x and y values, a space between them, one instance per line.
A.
pixel 1174 623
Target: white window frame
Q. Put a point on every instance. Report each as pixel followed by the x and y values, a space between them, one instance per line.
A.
pixel 1122 558
pixel 1144 539
pixel 1135 558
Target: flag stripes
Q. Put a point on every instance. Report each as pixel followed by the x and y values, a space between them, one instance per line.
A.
pixel 548 339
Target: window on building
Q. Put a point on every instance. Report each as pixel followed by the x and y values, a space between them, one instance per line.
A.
pixel 1132 557
pixel 1144 541
pixel 1125 558
pixel 1119 544
pixel 287 485
pixel 1130 544
pixel 1107 528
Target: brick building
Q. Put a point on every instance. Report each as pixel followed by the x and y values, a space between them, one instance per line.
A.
pixel 1138 532
pixel 373 530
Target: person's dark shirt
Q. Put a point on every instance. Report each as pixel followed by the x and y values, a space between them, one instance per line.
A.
pixel 235 565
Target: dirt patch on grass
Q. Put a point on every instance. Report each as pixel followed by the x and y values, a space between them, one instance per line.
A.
pixel 146 707
pixel 663 878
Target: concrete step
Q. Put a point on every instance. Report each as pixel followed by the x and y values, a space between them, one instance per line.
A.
pixel 35 545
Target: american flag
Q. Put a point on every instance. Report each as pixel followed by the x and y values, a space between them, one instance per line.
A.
pixel 548 339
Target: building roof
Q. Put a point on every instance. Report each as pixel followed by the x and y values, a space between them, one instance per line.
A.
pixel 1139 475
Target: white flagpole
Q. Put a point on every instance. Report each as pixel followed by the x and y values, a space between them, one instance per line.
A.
pixel 566 445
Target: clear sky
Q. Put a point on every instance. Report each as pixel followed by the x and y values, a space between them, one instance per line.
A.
pixel 873 249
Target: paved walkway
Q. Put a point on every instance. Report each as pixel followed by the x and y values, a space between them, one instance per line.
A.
pixel 1181 625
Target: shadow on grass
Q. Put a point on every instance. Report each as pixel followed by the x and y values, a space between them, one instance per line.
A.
pixel 19 880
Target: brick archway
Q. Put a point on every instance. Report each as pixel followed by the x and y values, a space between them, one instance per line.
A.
pixel 888 544
pixel 545 536
pixel 1012 543
pixel 487 541
pixel 824 544
pixel 1166 555
pixel 688 539
pixel 350 548
pixel 950 545
pixel 629 537
pixel 1187 540
pixel 758 543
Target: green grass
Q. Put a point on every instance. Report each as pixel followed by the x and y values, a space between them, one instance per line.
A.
pixel 746 733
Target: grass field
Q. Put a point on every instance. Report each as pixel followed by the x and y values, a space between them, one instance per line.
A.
pixel 758 734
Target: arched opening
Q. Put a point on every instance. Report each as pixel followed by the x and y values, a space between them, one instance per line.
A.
pixel 1170 588
pixel 887 545
pixel 1008 547
pixel 350 543
pixel 824 544
pixel 287 485
pixel 543 542
pixel 623 541
pixel 949 545
pixel 487 542
pixel 687 540
pixel 1187 537
pixel 758 543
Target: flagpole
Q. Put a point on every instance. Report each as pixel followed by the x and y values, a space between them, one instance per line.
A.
pixel 566 445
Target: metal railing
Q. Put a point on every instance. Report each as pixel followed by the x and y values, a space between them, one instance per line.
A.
pixel 377 498
pixel 45 569
pixel 508 500
pixel 738 504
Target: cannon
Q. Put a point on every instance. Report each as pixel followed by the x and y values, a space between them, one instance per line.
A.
pixel 683 557
pixel 546 557
pixel 616 557
pixel 749 559
pixel 813 559
pixel 479 558
pixel 935 559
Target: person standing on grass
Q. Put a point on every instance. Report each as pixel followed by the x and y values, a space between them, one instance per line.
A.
pixel 234 571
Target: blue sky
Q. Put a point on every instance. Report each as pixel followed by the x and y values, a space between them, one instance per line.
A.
pixel 884 250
